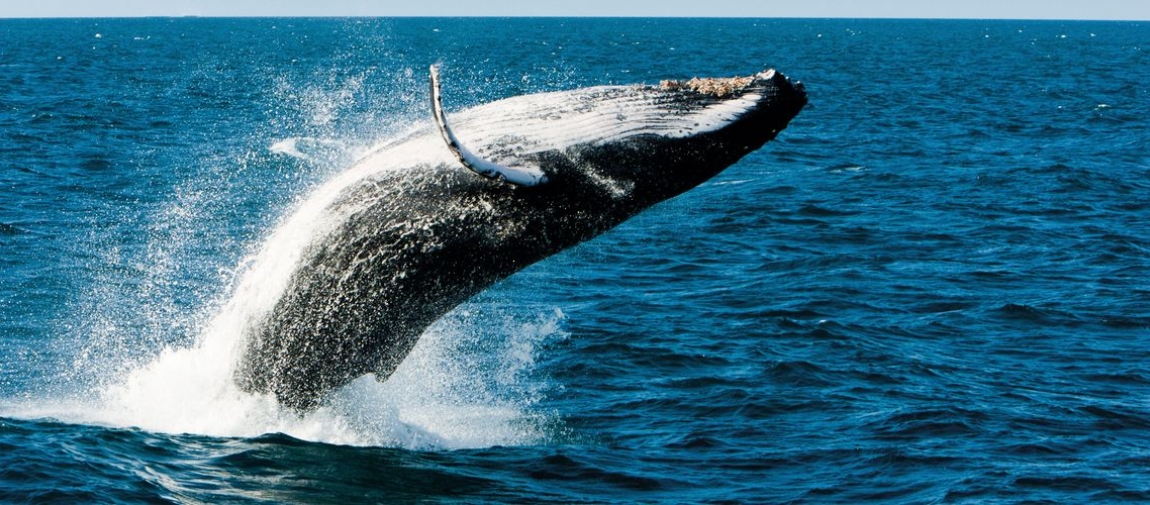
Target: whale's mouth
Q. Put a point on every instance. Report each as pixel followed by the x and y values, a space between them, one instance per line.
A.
pixel 718 87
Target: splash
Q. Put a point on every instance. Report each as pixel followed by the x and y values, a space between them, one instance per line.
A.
pixel 440 398
pixel 467 384
pixel 444 396
pixel 150 363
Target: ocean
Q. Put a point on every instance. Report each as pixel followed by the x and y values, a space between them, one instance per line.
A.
pixel 934 286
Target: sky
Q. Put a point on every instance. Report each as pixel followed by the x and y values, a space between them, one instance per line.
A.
pixel 977 9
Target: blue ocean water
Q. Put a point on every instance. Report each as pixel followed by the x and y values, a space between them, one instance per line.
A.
pixel 932 287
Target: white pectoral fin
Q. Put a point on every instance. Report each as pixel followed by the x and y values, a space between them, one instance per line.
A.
pixel 519 176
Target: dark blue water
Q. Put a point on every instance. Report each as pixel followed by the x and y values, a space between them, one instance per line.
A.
pixel 932 287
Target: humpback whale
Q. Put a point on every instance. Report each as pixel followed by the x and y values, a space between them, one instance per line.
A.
pixel 350 280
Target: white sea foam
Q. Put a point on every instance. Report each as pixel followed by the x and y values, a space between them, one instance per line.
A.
pixel 439 398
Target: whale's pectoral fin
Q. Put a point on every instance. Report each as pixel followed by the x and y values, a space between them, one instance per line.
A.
pixel 519 176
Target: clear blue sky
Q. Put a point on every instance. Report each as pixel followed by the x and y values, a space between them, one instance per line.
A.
pixel 1009 9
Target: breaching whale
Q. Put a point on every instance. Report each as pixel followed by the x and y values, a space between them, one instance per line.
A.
pixel 424 222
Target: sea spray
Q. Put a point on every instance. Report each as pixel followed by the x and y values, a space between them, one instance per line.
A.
pixel 445 395
pixel 469 383
pixel 151 351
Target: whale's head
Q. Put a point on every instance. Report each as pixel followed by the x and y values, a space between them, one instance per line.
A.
pixel 630 145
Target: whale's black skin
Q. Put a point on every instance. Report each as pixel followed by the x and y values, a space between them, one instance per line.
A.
pixel 420 240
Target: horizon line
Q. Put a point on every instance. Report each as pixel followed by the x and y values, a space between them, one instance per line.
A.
pixel 554 16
